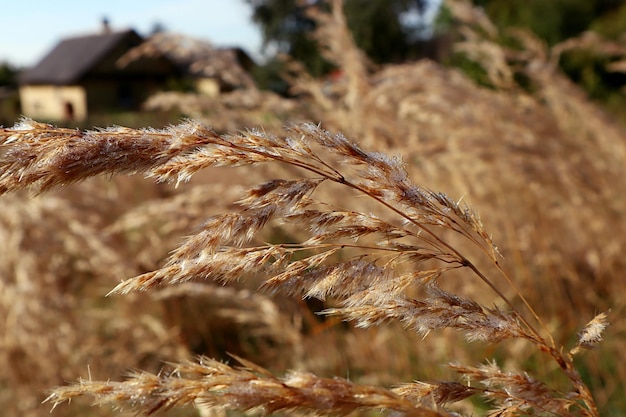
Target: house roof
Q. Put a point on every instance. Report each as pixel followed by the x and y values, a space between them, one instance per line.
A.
pixel 74 57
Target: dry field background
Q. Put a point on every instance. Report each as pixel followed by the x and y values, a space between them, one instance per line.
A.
pixel 543 166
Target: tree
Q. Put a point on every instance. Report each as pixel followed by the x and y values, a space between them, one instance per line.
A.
pixel 8 75
pixel 554 20
pixel 380 28
pixel 558 20
pixel 286 28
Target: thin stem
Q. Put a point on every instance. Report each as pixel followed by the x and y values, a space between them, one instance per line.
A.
pixel 462 259
pixel 526 303
pixel 340 179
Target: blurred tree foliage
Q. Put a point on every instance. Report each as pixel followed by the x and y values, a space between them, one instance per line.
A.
pixel 375 24
pixel 557 20
pixel 8 75
pixel 611 24
pixel 551 20
pixel 380 31
pixel 9 99
pixel 286 29
pixel 269 76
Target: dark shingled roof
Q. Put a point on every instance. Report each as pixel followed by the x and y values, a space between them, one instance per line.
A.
pixel 74 57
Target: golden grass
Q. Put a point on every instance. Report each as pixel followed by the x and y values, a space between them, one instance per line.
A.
pixel 377 268
pixel 330 220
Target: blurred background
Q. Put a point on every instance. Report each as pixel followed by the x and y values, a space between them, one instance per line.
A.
pixel 516 106
pixel 262 33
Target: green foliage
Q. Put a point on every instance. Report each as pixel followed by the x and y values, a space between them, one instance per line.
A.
pixel 556 21
pixel 287 29
pixel 375 25
pixel 9 99
pixel 470 68
pixel 589 70
pixel 8 74
pixel 612 25
pixel 553 20
pixel 377 30
pixel 181 84
pixel 268 76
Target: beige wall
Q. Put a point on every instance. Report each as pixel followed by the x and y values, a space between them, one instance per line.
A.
pixel 208 87
pixel 50 102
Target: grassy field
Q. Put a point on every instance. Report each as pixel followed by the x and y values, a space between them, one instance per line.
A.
pixel 501 313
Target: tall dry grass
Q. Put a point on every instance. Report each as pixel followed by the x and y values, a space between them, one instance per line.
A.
pixel 375 268
pixel 542 165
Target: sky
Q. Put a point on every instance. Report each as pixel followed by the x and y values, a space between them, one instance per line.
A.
pixel 31 28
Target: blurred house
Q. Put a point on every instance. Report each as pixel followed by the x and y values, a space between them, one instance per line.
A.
pixel 210 70
pixel 81 75
pixel 226 69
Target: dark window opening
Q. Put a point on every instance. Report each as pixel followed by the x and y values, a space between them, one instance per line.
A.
pixel 125 96
pixel 68 111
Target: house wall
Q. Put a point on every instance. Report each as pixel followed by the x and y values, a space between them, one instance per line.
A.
pixel 103 95
pixel 208 87
pixel 121 93
pixel 51 102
